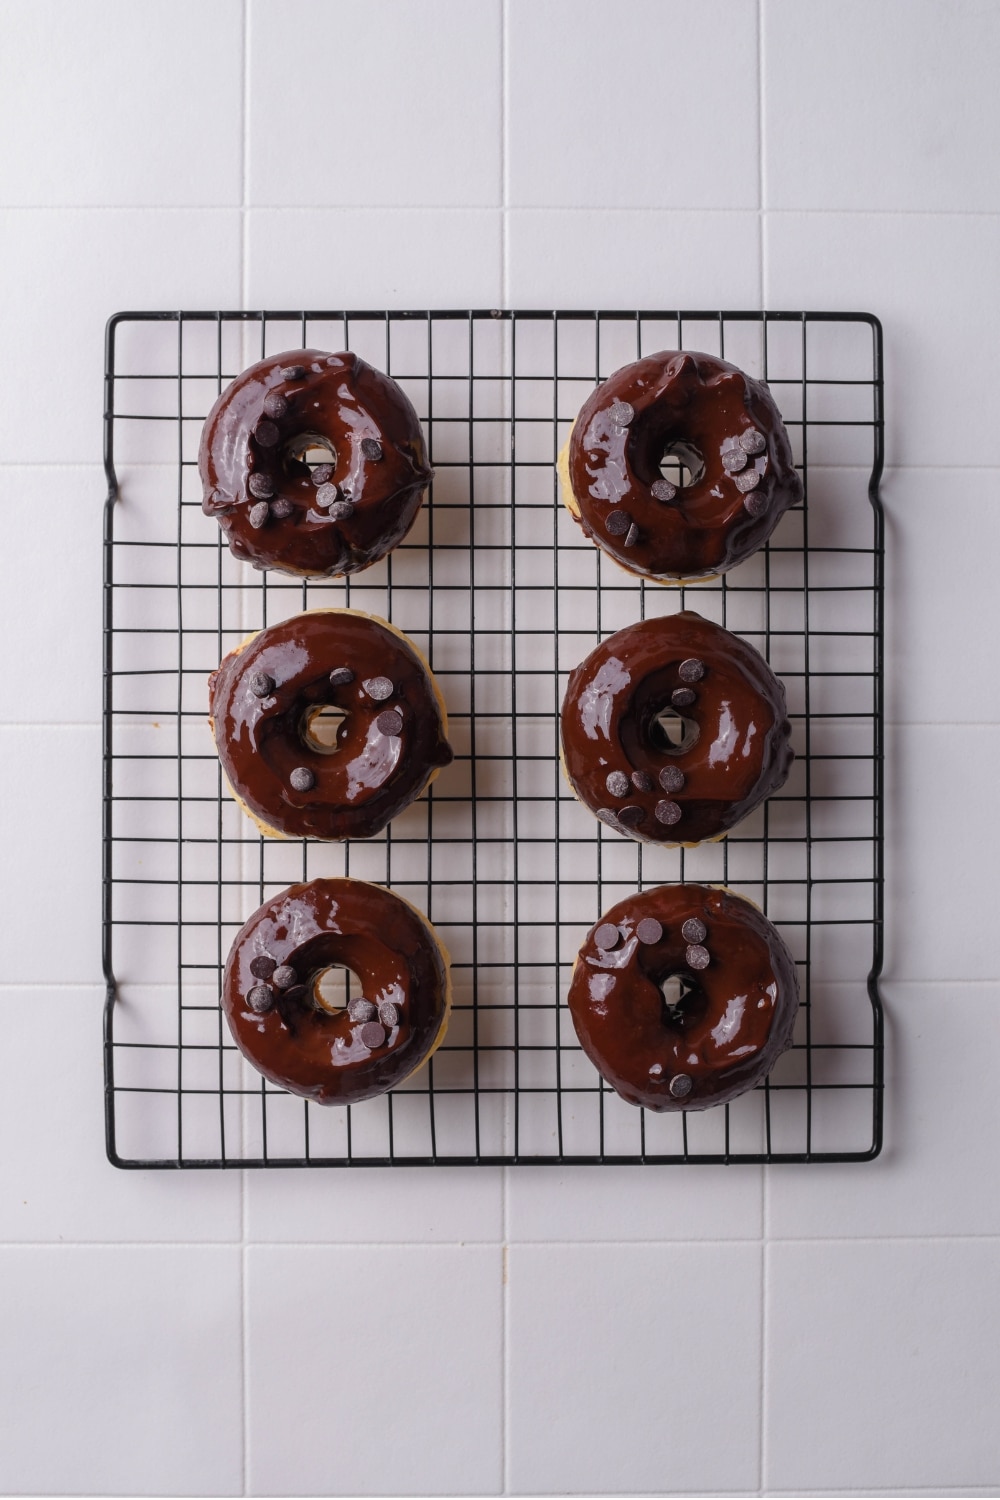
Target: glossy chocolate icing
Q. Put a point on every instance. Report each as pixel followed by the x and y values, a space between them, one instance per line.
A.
pixel 735 714
pixel 704 406
pixel 377 769
pixel 264 419
pixel 322 1054
pixel 723 1036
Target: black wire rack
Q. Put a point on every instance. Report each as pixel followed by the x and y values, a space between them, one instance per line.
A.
pixel 505 596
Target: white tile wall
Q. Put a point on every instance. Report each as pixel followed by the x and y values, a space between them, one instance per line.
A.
pixel 785 1331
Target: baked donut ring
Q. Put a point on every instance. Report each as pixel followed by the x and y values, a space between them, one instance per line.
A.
pixel 722 697
pixel 340 516
pixel 733 1016
pixel 274 1005
pixel 724 426
pixel 267 699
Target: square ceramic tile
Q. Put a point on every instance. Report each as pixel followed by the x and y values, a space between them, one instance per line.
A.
pixel 64 274
pixel 401 1206
pixel 371 258
pixel 881 1363
pixel 590 258
pixel 121 1371
pixel 124 105
pixel 609 108
pixel 374 1371
pixel 392 102
pixel 52 838
pixel 850 121
pixel 633 1369
pixel 930 278
pixel 56 1182
pixel 634 1203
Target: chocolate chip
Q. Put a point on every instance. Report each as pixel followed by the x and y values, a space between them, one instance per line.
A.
pixel 631 815
pixel 607 815
pixel 275 404
pixel 683 697
pixel 634 535
pixel 361 1010
pixel 327 494
pixel 260 999
pixel 691 670
pixel 755 503
pixel 617 783
pixel 284 977
pixel 606 936
pixel 747 481
pixel 372 1034
pixel 378 688
pixel 302 779
pixel 681 1085
pixel 293 372
pixel 697 957
pixel 734 460
pixel 263 966
pixel 388 1015
pixel 621 413
pixel 341 510
pixel 694 930
pixel 642 782
pixel 341 676
pixel 261 486
pixel 618 522
pixel 671 779
pixel 752 441
pixel 321 474
pixel 261 685
pixel 371 448
pixel 663 490
pixel 266 434
pixel 667 812
pixel 297 992
pixel 389 723
pixel 281 508
pixel 649 930
pixel 259 514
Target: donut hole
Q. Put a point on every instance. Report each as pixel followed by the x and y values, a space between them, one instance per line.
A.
pixel 682 463
pixel 678 993
pixel 335 987
pixel 325 729
pixel 671 733
pixel 306 451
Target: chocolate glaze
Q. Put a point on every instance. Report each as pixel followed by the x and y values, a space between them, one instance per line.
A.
pixel 320 1054
pixel 740 751
pixel 723 1036
pixel 255 429
pixel 703 405
pixel 376 770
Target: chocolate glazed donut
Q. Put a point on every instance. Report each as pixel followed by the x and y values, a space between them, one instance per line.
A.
pixel 724 702
pixel 735 992
pixel 339 517
pixel 727 430
pixel 266 702
pixel 274 1005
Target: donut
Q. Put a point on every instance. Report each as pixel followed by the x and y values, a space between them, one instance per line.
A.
pixel 730 746
pixel 339 516
pixel 272 698
pixel 721 424
pixel 728 1010
pixel 275 1006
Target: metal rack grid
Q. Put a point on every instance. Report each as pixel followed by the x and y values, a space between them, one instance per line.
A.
pixel 504 595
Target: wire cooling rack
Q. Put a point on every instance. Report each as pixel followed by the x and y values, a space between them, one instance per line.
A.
pixel 505 596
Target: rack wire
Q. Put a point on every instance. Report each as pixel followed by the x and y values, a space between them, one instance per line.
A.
pixel 505 596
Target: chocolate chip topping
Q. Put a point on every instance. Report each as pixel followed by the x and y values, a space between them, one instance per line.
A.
pixel 649 930
pixel 681 1085
pixel 261 685
pixel 617 783
pixel 265 434
pixel 260 999
pixel 327 494
pixel 297 992
pixel 341 510
pixel 691 670
pixel 275 404
pixel 694 930
pixel 752 441
pixel 733 460
pixel 755 504
pixel 261 486
pixel 671 779
pixel 361 1010
pixel 618 522
pixel 284 977
pixel 667 812
pixel 634 536
pixel 621 413
pixel 663 490
pixel 389 723
pixel 371 448
pixel 281 508
pixel 747 481
pixel 683 697
pixel 293 372
pixel 607 815
pixel 642 782
pixel 372 1035
pixel 302 779
pixel 606 936
pixel 388 1015
pixel 341 676
pixel 697 957
pixel 321 474
pixel 378 688
pixel 631 815
pixel 263 966
pixel 259 514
